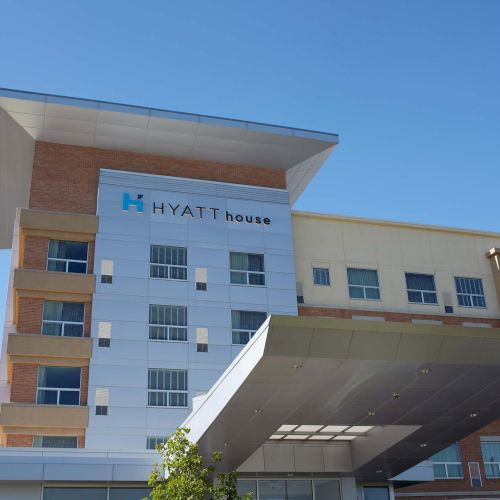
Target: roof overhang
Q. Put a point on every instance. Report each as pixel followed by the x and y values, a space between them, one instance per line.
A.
pixel 417 385
pixel 161 132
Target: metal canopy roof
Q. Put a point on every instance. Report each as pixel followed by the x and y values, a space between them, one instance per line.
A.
pixel 108 125
pixel 422 387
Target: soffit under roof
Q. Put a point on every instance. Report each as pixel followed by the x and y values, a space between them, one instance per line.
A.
pixel 107 125
pixel 320 371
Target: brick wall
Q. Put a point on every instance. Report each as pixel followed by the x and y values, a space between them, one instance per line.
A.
pixel 26 440
pixel 470 451
pixel 19 440
pixel 35 253
pixel 24 383
pixel 65 177
pixel 84 386
pixel 30 313
pixel 30 316
pixel 333 312
pixel 36 249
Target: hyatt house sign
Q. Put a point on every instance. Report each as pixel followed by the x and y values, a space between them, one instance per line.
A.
pixel 192 212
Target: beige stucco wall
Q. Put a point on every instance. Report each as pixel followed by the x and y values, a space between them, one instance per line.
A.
pixel 392 249
pixel 16 163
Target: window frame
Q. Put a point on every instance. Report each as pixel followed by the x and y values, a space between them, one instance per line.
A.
pixel 250 333
pixel 489 465
pixel 167 326
pixel 416 290
pixel 62 323
pixel 247 273
pixel 67 261
pixel 318 268
pixel 41 438
pixel 363 287
pixel 169 267
pixel 470 295
pixel 58 390
pixel 169 392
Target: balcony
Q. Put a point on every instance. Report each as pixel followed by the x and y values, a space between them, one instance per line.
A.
pixel 19 418
pixel 49 350
pixel 58 225
pixel 54 285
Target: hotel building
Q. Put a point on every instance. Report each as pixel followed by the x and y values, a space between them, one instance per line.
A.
pixel 160 278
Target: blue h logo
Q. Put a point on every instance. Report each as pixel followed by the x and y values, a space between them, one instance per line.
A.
pixel 139 204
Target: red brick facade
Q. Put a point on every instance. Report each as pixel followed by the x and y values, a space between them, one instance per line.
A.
pixel 333 312
pixel 65 177
pixel 19 440
pixel 24 383
pixel 36 253
pixel 470 451
pixel 30 316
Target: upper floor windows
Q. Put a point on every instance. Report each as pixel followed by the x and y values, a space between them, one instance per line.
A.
pixel 58 385
pixel 245 324
pixel 421 288
pixel 55 441
pixel 63 318
pixel 447 463
pixel 168 262
pixel 363 284
pixel 168 323
pixel 167 387
pixel 67 256
pixel 491 458
pixel 470 292
pixel 247 269
pixel 321 276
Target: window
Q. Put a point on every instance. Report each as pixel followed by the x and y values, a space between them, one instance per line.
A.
pixel 63 318
pixel 55 442
pixel 75 493
pixel 321 276
pixel 491 458
pixel 245 324
pixel 154 441
pixel 363 284
pixel 104 333
pixel 101 401
pixel 67 256
pixel 168 323
pixel 107 271
pixel 58 385
pixel 421 288
pixel 168 262
pixel 202 340
pixel 201 279
pixel 247 269
pixel 447 464
pixel 167 387
pixel 470 292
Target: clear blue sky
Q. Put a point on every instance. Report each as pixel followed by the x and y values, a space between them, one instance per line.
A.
pixel 412 87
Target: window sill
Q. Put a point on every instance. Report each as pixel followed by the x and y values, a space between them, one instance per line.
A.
pixel 170 341
pixel 243 284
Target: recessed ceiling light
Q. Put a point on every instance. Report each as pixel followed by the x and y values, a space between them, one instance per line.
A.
pixel 423 445
pixel 319 437
pixel 276 436
pixel 258 411
pixel 425 371
pixel 308 428
pixel 379 471
pixel 360 428
pixel 286 428
pixel 472 415
pixel 297 436
pixel 334 428
pixel 344 438
pixel 371 413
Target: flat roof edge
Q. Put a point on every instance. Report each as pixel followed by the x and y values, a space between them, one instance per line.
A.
pixel 166 113
pixel 393 223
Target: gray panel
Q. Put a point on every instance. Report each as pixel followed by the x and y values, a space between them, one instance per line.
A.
pixel 176 184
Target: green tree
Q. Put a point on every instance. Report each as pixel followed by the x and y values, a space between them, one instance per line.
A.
pixel 183 475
